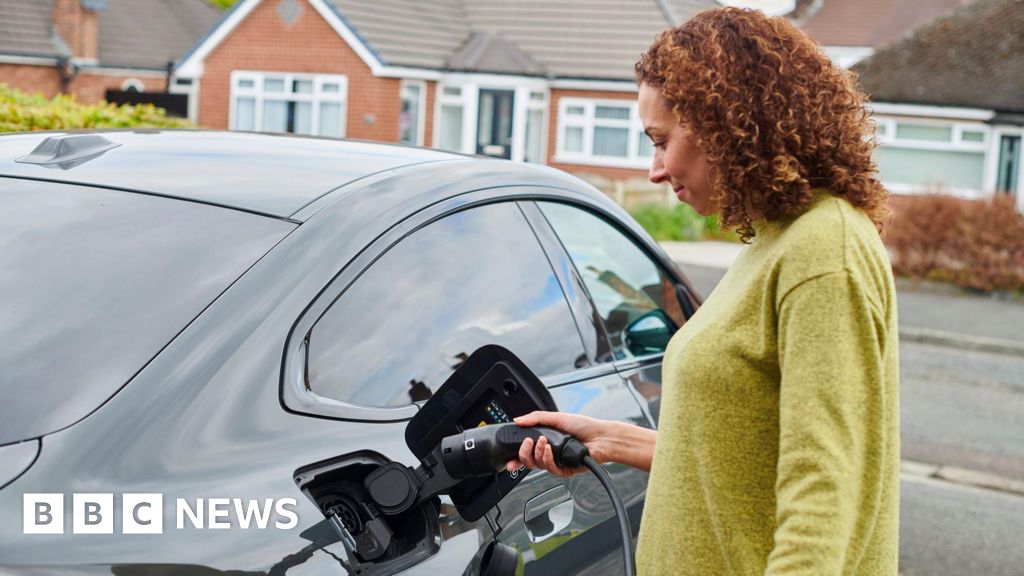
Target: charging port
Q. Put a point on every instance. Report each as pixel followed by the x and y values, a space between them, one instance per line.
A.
pixel 376 544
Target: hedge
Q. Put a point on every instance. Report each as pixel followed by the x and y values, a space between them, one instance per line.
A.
pixel 975 244
pixel 680 222
pixel 24 112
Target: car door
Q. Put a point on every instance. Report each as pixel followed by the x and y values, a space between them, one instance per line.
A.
pixel 639 301
pixel 472 276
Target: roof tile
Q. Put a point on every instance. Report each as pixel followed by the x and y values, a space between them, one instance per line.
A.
pixel 972 57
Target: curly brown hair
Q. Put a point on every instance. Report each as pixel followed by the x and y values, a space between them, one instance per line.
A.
pixel 772 114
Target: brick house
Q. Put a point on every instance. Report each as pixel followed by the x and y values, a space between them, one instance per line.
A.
pixel 548 82
pixel 86 47
pixel 949 103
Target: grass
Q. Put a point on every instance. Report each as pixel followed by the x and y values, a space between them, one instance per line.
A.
pixel 680 223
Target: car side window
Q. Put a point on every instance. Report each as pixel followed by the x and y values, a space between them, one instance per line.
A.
pixel 635 297
pixel 472 278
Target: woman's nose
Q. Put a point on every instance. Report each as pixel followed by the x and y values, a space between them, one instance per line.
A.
pixel 657 172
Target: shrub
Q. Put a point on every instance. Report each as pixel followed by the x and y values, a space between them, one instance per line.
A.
pixel 681 222
pixel 22 112
pixel 976 244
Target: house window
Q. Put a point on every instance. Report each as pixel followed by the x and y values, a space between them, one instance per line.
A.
pixel 604 132
pixel 133 85
pixel 297 103
pixel 452 105
pixel 535 107
pixel 410 122
pixel 920 155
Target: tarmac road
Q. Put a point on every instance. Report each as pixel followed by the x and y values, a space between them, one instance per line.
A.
pixel 946 529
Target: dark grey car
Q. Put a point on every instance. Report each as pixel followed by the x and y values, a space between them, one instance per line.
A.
pixel 199 315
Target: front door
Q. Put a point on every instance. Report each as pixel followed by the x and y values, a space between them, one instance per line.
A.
pixel 494 123
pixel 1009 164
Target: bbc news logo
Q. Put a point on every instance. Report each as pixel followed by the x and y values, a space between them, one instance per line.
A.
pixel 144 513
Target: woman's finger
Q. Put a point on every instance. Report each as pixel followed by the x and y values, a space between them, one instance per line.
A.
pixel 538 451
pixel 535 418
pixel 526 453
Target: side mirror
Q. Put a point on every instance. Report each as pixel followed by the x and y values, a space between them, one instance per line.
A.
pixel 649 334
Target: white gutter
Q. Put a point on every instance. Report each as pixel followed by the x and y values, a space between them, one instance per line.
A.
pixel 891 109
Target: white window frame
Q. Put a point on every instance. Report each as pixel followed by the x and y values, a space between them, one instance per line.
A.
pixel 992 161
pixel 316 97
pixel 133 83
pixel 525 105
pixel 190 87
pixel 588 122
pixel 421 113
pixel 467 100
pixel 955 144
pixel 471 84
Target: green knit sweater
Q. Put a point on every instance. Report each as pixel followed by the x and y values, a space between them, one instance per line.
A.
pixel 778 443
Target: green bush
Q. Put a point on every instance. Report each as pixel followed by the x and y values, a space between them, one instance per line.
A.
pixel 24 112
pixel 679 223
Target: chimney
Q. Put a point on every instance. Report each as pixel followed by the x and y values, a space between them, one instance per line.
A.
pixel 77 24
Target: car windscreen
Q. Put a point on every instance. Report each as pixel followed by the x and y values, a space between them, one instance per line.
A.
pixel 95 282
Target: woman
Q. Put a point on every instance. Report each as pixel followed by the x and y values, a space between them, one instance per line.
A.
pixel 778 444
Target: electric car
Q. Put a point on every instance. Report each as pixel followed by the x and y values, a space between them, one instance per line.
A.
pixel 208 337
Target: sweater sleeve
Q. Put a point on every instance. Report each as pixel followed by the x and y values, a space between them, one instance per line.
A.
pixel 832 401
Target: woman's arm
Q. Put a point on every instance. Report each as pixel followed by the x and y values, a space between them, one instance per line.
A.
pixel 838 466
pixel 608 441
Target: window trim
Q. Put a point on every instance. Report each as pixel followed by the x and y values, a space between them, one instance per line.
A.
pixel 588 122
pixel 297 397
pixel 955 144
pixel 470 86
pixel 421 112
pixel 315 98
pixel 133 83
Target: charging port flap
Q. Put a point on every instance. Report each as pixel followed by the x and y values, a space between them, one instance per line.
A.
pixel 492 386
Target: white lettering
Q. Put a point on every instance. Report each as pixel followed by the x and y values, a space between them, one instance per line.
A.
pixel 293 518
pixel 196 517
pixel 253 510
pixel 218 508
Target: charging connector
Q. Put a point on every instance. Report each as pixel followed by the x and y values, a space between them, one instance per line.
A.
pixel 480 452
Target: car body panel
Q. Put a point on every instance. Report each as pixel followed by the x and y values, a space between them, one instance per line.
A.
pixel 96 282
pixel 207 416
pixel 262 173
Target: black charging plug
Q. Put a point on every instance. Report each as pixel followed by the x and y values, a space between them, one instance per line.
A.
pixel 485 450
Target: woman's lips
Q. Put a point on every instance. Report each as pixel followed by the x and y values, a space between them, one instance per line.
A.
pixel 680 192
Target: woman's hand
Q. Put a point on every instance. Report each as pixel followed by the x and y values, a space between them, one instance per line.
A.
pixel 607 440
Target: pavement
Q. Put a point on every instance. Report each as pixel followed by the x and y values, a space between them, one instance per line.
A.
pixel 929 312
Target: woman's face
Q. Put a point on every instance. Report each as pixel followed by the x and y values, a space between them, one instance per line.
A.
pixel 677 160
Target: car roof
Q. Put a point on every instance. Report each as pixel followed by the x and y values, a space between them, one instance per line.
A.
pixel 273 175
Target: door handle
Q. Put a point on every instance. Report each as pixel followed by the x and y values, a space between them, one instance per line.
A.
pixel 548 513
